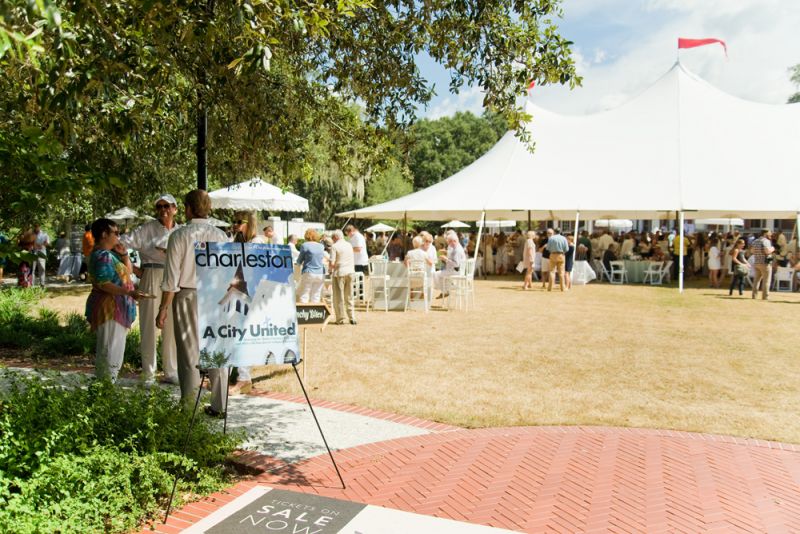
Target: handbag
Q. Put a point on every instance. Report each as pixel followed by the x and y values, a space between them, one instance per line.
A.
pixel 742 270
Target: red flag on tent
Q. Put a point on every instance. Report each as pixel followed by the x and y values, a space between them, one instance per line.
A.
pixel 691 43
pixel 531 84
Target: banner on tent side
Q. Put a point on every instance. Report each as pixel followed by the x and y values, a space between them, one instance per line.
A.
pixel 245 305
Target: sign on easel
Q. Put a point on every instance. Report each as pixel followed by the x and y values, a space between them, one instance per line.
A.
pixel 246 311
pixel 313 314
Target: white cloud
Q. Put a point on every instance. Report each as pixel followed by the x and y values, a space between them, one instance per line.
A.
pixel 599 56
pixel 761 36
pixel 622 47
pixel 469 99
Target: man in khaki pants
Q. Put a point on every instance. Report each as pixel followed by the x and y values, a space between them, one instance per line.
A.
pixel 150 240
pixel 342 270
pixel 558 247
pixel 179 292
pixel 760 250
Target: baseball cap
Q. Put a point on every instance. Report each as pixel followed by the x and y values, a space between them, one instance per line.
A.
pixel 169 198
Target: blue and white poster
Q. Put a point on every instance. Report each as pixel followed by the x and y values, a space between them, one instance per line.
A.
pixel 245 305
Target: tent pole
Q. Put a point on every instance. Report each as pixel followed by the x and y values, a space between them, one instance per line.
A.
pixel 796 232
pixel 405 231
pixel 529 220
pixel 383 252
pixel 478 242
pixel 345 224
pixel 680 254
pixel 575 237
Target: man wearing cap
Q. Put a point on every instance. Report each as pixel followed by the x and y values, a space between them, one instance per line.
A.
pixel 150 240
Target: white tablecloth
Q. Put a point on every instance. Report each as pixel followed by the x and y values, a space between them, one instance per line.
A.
pixel 582 273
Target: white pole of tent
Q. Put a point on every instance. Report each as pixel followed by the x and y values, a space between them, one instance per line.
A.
pixel 345 224
pixel 575 238
pixel 383 252
pixel 478 242
pixel 680 255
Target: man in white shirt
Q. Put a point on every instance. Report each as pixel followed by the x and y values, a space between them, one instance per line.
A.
pixel 40 245
pixel 603 242
pixel 150 241
pixel 179 291
pixel 359 244
pixel 269 234
pixel 342 269
pixel 453 261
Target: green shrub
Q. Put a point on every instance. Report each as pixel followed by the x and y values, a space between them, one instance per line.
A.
pixel 17 301
pixel 81 455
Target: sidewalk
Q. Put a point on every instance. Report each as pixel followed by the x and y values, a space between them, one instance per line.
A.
pixel 529 479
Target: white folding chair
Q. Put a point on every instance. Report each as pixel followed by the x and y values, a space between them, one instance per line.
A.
pixel 653 273
pixel 618 273
pixel 601 270
pixel 378 282
pixel 783 279
pixel 666 271
pixel 457 293
pixel 417 283
pixel 357 290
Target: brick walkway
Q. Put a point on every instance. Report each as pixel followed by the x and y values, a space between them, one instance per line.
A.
pixel 555 479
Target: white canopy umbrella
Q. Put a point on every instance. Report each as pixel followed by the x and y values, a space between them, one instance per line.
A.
pixel 256 194
pixel 213 221
pixel 622 224
pixel 380 227
pixel 497 224
pixel 721 222
pixel 455 224
pixel 123 214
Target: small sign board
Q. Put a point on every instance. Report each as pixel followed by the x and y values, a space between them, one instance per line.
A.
pixel 289 512
pixel 313 314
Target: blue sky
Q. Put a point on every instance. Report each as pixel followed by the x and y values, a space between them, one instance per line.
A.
pixel 623 46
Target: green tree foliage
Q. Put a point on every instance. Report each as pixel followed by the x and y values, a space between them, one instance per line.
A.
pixel 795 77
pixel 440 148
pixel 112 87
pixel 393 182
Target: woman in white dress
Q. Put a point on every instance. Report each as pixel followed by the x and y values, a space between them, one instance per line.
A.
pixel 714 262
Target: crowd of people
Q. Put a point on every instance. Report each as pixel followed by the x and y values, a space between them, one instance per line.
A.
pixel 161 283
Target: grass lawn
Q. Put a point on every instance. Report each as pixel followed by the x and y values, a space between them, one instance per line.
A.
pixel 631 355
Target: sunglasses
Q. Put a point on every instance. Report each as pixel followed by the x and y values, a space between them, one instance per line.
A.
pixel 162 206
pixel 238 222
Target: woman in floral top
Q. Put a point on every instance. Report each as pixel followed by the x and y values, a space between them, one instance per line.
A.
pixel 111 306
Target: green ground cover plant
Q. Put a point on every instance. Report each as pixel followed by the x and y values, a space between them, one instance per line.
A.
pixel 82 455
pixel 44 333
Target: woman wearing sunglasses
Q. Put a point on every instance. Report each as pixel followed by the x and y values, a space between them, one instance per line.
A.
pixel 111 306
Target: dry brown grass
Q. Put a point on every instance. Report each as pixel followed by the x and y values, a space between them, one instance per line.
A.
pixel 598 355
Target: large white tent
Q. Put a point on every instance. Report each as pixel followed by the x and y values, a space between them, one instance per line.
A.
pixel 256 194
pixel 680 146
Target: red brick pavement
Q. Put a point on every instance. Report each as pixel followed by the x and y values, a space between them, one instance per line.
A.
pixel 558 479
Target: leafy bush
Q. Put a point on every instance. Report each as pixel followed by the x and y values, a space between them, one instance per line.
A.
pixel 16 301
pixel 81 455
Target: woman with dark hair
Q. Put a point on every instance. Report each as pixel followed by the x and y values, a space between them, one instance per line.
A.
pixel 111 306
pixel 740 266
pixel 24 269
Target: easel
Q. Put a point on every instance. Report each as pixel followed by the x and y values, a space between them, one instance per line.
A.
pixel 204 374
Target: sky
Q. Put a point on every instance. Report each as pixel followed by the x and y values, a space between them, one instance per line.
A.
pixel 621 47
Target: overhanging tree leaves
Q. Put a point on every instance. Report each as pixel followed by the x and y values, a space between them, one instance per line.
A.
pixel 117 83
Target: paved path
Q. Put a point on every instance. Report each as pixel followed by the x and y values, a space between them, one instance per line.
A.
pixel 549 479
